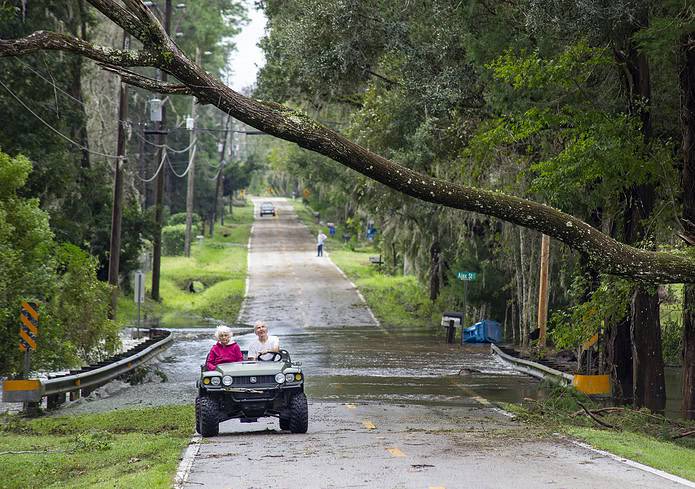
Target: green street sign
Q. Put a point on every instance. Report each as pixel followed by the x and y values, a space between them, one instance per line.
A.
pixel 467 276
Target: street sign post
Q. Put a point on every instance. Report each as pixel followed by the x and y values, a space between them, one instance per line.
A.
pixel 139 295
pixel 465 277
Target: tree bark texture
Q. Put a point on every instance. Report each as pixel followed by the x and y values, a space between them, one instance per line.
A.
pixel 649 387
pixel 619 361
pixel 648 369
pixel 687 85
pixel 688 386
pixel 160 51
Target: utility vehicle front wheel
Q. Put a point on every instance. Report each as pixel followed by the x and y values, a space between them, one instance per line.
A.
pixel 209 417
pixel 299 414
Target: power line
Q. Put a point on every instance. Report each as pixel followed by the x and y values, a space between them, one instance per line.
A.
pixel 83 148
pixel 190 161
pixel 161 165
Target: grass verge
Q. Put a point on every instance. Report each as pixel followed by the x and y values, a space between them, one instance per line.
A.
pixel 130 448
pixel 216 270
pixel 635 434
pixel 396 300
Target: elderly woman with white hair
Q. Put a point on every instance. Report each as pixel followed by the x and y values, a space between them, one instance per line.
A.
pixel 226 350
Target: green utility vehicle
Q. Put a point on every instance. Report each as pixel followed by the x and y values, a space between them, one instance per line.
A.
pixel 248 390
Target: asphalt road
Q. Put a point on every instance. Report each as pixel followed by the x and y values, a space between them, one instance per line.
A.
pixel 387 407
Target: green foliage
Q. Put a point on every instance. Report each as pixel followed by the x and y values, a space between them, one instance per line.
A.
pixel 396 301
pixel 25 255
pixel 79 309
pixel 173 239
pixel 73 325
pixel 636 434
pixel 180 218
pixel 609 303
pixel 217 268
pixel 123 449
pixel 568 71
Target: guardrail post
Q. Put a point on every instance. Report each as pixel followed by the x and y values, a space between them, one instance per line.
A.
pixel 74 395
pixel 31 409
pixel 55 400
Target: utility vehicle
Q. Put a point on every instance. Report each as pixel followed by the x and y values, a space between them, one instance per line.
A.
pixel 248 390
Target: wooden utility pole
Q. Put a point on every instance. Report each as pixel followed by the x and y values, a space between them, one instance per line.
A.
pixel 159 186
pixel 543 290
pixel 191 175
pixel 117 208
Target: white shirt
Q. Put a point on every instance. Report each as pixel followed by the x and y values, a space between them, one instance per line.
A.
pixel 321 238
pixel 272 343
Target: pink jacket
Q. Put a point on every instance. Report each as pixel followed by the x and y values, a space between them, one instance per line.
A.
pixel 223 354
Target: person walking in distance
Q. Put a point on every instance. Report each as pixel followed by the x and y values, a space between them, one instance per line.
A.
pixel 320 239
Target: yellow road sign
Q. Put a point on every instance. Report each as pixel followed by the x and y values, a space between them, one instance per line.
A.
pixel 21 390
pixel 29 327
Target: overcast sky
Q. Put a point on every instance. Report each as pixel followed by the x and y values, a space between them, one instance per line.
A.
pixel 249 57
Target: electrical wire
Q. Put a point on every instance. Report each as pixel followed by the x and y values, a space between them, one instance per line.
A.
pixel 190 162
pixel 83 148
pixel 169 148
pixel 219 170
pixel 161 165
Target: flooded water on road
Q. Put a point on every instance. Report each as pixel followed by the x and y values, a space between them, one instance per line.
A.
pixel 367 364
pixel 402 366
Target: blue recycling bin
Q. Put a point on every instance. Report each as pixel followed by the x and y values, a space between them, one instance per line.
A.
pixel 486 331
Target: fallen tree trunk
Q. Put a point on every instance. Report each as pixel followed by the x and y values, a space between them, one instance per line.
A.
pixel 602 251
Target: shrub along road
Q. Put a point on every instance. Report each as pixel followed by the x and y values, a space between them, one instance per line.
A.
pixel 387 405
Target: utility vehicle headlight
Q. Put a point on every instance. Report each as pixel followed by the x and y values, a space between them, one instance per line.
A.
pixel 298 376
pixel 215 380
pixel 289 377
pixel 206 380
pixel 280 378
pixel 227 380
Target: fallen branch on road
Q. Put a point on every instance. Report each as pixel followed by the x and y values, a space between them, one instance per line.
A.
pixel 595 418
pixel 683 435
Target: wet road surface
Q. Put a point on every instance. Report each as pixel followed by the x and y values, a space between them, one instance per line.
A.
pixel 392 408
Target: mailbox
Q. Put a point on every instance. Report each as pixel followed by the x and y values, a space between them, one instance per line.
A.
pixel 448 316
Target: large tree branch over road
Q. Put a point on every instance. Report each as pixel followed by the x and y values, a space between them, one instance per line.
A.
pixel 605 253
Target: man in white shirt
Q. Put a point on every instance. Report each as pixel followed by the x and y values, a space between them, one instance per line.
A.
pixel 263 343
pixel 320 239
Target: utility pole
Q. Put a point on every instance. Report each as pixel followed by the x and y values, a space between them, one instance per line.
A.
pixel 117 208
pixel 191 175
pixel 159 186
pixel 543 290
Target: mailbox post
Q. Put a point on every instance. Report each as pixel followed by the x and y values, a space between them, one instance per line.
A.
pixel 451 320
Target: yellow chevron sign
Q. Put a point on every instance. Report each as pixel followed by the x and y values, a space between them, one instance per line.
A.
pixel 29 327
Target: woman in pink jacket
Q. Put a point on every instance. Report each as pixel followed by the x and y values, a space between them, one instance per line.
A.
pixel 226 350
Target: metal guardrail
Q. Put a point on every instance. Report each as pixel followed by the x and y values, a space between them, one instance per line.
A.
pixel 85 380
pixel 534 369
